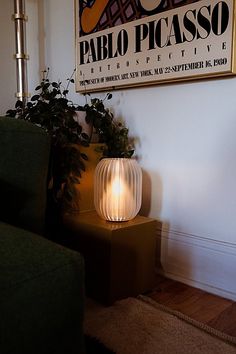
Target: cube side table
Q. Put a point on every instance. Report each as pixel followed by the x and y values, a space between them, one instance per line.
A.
pixel 119 256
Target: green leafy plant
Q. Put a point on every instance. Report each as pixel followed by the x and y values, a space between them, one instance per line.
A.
pixel 51 109
pixel 111 132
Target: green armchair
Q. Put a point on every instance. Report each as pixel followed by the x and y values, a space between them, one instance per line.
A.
pixel 41 282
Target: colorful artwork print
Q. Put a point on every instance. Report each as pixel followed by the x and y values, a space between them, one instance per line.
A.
pixel 97 15
pixel 125 43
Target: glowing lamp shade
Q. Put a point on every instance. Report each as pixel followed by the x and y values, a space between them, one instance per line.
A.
pixel 117 189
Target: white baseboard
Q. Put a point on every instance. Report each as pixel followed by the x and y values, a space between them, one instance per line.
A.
pixel 197 261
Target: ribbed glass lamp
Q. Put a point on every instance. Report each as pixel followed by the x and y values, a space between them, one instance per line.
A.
pixel 117 189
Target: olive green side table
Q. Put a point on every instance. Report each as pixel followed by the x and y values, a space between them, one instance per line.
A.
pixel 119 256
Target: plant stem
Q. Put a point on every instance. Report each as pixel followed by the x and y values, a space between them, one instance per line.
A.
pixel 69 80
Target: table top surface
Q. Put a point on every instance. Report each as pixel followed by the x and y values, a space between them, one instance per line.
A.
pixel 91 218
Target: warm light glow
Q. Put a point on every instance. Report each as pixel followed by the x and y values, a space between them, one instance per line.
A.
pixel 118 200
pixel 117 189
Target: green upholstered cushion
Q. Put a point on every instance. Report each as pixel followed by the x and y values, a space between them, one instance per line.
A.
pixel 41 295
pixel 24 158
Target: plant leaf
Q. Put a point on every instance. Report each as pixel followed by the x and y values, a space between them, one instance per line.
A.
pixel 11 113
pixel 84 156
pixel 85 136
pixel 55 84
pixel 19 104
pixel 35 98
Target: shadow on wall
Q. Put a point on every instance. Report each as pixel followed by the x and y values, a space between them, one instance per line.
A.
pixel 146 194
pixel 153 200
pixel 151 197
pixel 174 257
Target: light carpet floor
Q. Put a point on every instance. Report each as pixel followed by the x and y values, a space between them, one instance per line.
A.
pixel 141 326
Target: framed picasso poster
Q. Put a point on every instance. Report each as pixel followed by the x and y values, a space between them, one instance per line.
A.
pixel 124 43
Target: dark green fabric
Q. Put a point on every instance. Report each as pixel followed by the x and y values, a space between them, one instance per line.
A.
pixel 41 283
pixel 41 295
pixel 24 158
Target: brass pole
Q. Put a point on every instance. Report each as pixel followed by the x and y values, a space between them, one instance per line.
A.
pixel 21 57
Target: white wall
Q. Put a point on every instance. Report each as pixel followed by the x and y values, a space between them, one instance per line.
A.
pixel 187 147
pixel 187 150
